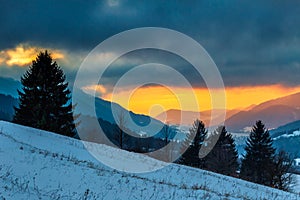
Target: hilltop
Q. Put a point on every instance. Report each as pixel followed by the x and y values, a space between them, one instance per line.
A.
pixel 41 165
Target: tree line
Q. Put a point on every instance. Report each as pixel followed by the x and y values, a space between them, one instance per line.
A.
pixel 45 103
pixel 260 164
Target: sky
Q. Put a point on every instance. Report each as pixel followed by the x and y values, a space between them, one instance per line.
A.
pixel 255 45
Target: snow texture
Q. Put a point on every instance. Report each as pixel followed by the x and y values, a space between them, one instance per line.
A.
pixel 294 134
pixel 35 164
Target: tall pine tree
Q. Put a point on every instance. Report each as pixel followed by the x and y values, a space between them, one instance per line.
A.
pixel 45 99
pixel 223 157
pixel 258 162
pixel 282 176
pixel 193 144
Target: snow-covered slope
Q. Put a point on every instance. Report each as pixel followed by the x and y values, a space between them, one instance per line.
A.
pixel 35 164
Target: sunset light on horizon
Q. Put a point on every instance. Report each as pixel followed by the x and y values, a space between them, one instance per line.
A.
pixel 118 99
pixel 143 99
pixel 153 100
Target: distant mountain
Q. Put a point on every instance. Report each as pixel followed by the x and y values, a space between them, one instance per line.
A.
pixel 287 138
pixel 131 140
pixel 273 113
pixel 8 97
pixel 272 116
pixel 174 116
pixel 135 123
pixel 103 109
pixel 287 129
pixel 292 100
pixel 289 143
pixel 9 86
pixel 7 104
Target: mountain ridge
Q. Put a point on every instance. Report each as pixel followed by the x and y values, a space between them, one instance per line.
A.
pixel 173 116
pixel 273 113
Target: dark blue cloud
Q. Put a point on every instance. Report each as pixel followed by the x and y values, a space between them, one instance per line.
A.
pixel 252 42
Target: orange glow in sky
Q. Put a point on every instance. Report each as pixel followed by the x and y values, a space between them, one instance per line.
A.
pixel 23 55
pixel 153 100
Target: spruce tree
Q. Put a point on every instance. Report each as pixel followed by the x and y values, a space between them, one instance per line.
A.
pixel 44 101
pixel 282 176
pixel 258 162
pixel 193 144
pixel 223 157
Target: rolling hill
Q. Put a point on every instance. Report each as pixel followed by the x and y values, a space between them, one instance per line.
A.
pixel 174 116
pixel 285 129
pixel 41 165
pixel 7 104
pixel 9 86
pixel 272 116
pixel 103 109
pixel 8 95
pixel 135 122
pixel 292 100
pixel 287 138
pixel 273 113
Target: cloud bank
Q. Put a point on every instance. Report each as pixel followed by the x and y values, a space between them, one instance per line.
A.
pixel 252 42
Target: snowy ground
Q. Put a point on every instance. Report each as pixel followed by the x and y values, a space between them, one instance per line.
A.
pixel 296 186
pixel 36 164
pixel 294 134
